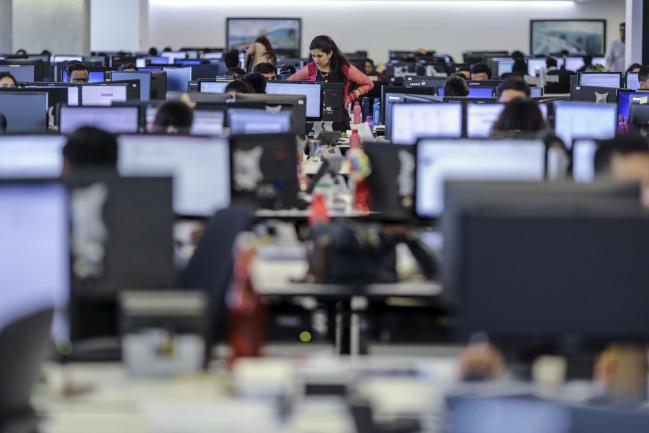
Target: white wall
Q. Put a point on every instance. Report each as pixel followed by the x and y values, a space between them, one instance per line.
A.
pixel 118 25
pixel 58 25
pixel 451 26
pixel 5 26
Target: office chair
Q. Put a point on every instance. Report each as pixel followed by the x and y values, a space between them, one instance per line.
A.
pixel 23 346
pixel 3 123
pixel 210 268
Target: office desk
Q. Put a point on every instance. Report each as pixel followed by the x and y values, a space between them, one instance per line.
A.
pixel 278 278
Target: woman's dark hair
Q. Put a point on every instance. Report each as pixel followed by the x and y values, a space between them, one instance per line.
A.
pixel 270 51
pixel 634 66
pixel 239 86
pixel 520 115
pixel 174 114
pixel 90 147
pixel 520 68
pixel 8 75
pixel 456 86
pixel 3 124
pixel 265 68
pixel 328 46
pixel 153 51
pixel 513 83
pixel 256 81
pixel 231 59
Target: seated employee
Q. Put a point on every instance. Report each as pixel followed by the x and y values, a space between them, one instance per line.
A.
pixel 77 73
pixel 90 148
pixel 233 64
pixel 465 71
pixel 519 115
pixel 512 88
pixel 129 67
pixel 238 86
pixel 456 86
pixel 7 81
pixel 643 77
pixel 256 81
pixel 268 70
pixel 480 72
pixel 634 68
pixel 370 71
pixel 173 117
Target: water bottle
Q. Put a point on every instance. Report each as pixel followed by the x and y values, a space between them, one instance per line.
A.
pixel 357 113
pixel 377 112
pixel 365 107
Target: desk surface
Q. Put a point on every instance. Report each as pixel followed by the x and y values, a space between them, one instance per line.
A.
pixel 274 278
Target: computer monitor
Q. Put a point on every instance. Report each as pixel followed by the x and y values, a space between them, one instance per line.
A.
pixel 72 89
pixel 122 238
pixel 474 92
pixel 583 160
pixel 534 66
pixel 25 112
pixel 31 156
pixel 159 60
pixel 396 94
pixel 505 65
pixel 35 267
pixel 143 77
pixel 103 95
pixel 174 55
pixel 118 119
pixel 624 100
pixel 576 63
pixel 255 121
pixel 312 91
pixel 216 55
pixel 632 82
pixel 601 95
pixel 93 76
pixel 574 120
pixel 187 62
pixel 208 122
pixel 62 58
pixel 601 79
pixel 208 70
pixel 200 167
pixel 23 73
pixel 264 170
pixel 411 121
pixel 480 118
pixel 178 78
pixel 423 81
pixel 533 267
pixel 217 86
pixel 438 161
pixel 536 92
pixel 295 104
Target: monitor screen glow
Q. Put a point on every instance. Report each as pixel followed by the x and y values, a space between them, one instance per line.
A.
pixel 575 120
pixel 481 119
pixel 313 93
pixel 413 121
pixel 31 156
pixel 611 80
pixel 103 95
pixel 258 121
pixel 118 120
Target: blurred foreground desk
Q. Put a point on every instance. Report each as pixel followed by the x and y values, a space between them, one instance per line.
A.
pixel 278 278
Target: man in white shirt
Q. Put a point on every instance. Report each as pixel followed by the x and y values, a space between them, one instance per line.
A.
pixel 615 57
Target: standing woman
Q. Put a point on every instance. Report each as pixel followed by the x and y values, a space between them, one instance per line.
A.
pixel 260 51
pixel 329 65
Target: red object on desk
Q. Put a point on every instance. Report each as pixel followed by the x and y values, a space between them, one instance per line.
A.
pixel 318 212
pixel 246 311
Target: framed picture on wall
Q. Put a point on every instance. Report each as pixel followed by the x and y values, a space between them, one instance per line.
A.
pixel 575 36
pixel 285 34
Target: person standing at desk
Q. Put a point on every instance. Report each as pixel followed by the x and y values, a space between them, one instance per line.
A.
pixel 616 54
pixel 260 51
pixel 329 65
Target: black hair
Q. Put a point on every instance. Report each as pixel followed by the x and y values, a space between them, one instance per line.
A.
pixel 256 81
pixel 270 51
pixel 166 49
pixel 464 69
pixel 513 83
pixel 239 86
pixel 21 52
pixel 75 66
pixel 634 66
pixel 236 72
pixel 265 68
pixel 622 145
pixel 520 115
pixel 128 66
pixel 551 62
pixel 8 75
pixel 90 147
pixel 153 51
pixel 456 86
pixel 3 123
pixel 174 114
pixel 46 52
pixel 588 60
pixel 481 68
pixel 518 55
pixel 643 73
pixel 520 68
pixel 327 45
pixel 231 59
pixel 371 62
